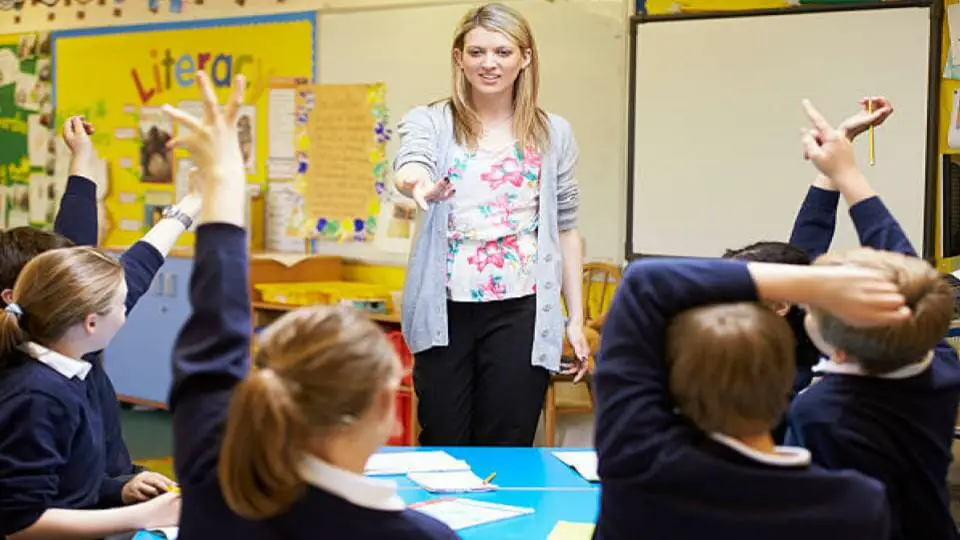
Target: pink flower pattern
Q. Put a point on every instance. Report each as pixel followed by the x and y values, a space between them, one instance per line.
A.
pixel 492 229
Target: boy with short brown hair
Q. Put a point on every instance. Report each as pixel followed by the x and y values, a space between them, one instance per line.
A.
pixel 886 401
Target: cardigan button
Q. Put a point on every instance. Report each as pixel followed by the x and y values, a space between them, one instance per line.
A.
pixel 547 308
pixel 548 285
pixel 548 257
pixel 545 333
pixel 543 358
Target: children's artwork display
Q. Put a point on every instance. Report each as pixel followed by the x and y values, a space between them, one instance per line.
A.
pixel 341 135
pixel 154 65
pixel 28 189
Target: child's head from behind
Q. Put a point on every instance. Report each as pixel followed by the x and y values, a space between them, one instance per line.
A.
pixel 881 350
pixel 17 247
pixel 773 252
pixel 731 367
pixel 70 298
pixel 325 386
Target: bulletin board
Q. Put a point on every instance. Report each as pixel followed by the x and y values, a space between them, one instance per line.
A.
pixel 153 65
pixel 28 187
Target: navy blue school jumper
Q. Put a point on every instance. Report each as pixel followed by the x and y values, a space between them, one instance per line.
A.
pixel 663 478
pixel 52 447
pixel 812 232
pixel 77 220
pixel 897 428
pixel 211 355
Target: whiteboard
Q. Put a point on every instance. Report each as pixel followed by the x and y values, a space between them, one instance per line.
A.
pixel 582 79
pixel 717 155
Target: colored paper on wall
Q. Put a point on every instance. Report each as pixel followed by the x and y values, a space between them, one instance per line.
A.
pixel 28 191
pixel 341 140
pixel 155 65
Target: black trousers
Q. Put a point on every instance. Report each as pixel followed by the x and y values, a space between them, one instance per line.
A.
pixel 481 390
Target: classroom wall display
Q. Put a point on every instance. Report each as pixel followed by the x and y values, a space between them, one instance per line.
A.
pixel 28 189
pixel 661 7
pixel 341 132
pixel 153 65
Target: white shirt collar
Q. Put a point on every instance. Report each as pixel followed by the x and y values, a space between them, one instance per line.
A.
pixel 66 366
pixel 360 490
pixel 786 456
pixel 851 368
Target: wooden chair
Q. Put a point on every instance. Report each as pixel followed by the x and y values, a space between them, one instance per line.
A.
pixel 600 280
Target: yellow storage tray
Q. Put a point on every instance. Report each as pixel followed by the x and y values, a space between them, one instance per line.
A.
pixel 323 293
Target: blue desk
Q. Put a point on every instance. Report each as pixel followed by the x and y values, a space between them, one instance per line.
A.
pixel 528 477
pixel 515 467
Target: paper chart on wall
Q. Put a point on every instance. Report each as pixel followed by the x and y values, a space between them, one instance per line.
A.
pixel 284 220
pixel 953 130
pixel 341 142
pixel 281 128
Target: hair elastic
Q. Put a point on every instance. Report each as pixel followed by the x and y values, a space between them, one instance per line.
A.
pixel 15 309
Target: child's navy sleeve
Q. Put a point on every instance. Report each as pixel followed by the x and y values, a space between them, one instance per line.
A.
pixel 635 412
pixel 212 352
pixel 816 222
pixel 140 264
pixel 877 228
pixel 32 451
pixel 77 217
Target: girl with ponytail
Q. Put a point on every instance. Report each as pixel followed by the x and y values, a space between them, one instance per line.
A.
pixel 277 452
pixel 65 304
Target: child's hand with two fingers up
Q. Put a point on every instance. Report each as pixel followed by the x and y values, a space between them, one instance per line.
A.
pixel 831 151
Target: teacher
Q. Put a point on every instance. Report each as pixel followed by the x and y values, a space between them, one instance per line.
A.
pixel 495 175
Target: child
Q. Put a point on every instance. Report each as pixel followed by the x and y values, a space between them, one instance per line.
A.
pixel 300 428
pixel 887 402
pixel 690 335
pixel 65 304
pixel 812 233
pixel 76 223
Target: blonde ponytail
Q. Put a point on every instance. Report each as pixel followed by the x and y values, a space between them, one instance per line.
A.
pixel 262 448
pixel 11 334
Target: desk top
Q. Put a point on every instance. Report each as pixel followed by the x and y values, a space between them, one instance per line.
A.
pixel 528 477
pixel 515 467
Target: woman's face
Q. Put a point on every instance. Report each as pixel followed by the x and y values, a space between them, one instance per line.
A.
pixel 491 61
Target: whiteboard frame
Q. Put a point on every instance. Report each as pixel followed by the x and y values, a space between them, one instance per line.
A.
pixel 931 176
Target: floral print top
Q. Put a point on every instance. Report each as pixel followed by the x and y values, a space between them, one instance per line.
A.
pixel 492 228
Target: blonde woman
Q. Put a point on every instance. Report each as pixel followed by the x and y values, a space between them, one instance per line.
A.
pixel 482 307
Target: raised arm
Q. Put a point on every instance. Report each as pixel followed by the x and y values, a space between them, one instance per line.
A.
pixel 211 353
pixel 832 153
pixel 634 407
pixel 77 216
pixel 817 219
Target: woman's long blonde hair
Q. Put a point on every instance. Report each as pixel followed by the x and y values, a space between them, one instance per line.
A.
pixel 319 371
pixel 530 123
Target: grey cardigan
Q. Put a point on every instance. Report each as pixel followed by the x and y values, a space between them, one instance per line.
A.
pixel 426 137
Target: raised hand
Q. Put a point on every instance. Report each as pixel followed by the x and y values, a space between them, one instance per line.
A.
pixel 76 135
pixel 874 111
pixel 827 147
pixel 215 150
pixel 859 296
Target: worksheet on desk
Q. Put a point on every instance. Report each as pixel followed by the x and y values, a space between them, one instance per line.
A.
pixel 391 463
pixel 584 462
pixel 462 513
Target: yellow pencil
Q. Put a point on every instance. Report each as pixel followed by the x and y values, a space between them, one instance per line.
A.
pixel 873 157
pixel 490 478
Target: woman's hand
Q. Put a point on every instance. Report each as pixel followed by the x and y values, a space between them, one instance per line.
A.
pixel 414 181
pixel 581 351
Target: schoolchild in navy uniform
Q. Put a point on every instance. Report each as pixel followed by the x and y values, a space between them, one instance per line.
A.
pixel 65 304
pixel 886 402
pixel 693 373
pixel 77 224
pixel 278 452
pixel 812 233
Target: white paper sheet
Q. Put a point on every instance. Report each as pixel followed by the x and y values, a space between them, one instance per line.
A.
pixel 584 462
pixel 390 463
pixel 462 513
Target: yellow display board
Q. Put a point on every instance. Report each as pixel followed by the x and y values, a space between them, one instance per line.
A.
pixel 120 78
